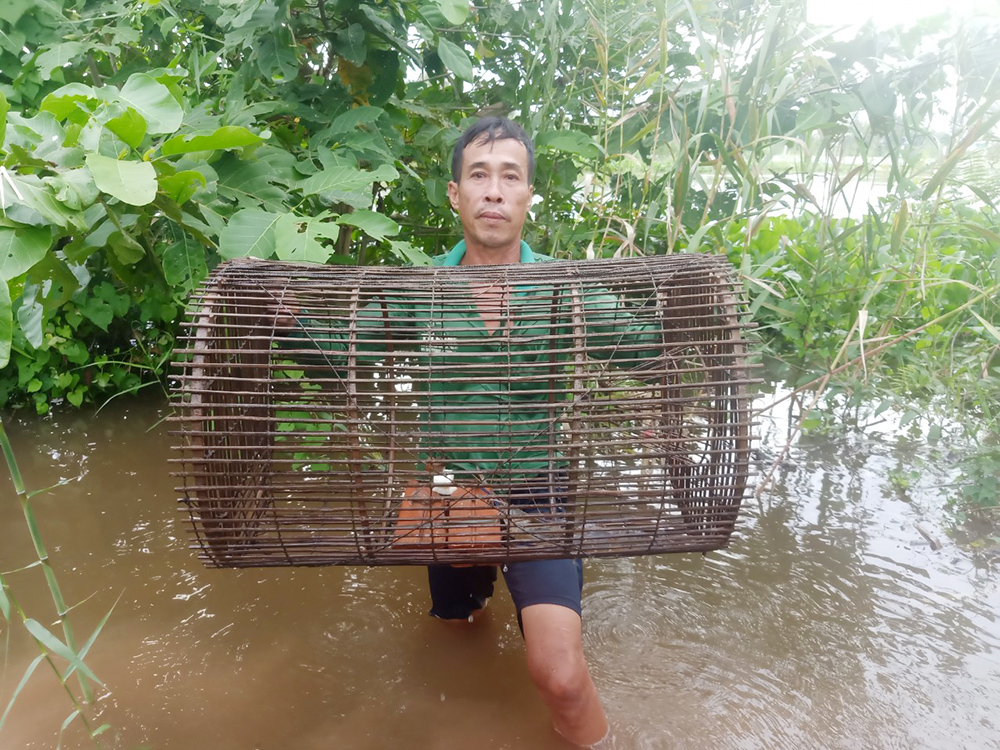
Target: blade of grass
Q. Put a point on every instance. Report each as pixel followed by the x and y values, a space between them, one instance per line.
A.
pixel 20 686
pixel 66 723
pixel 40 633
pixel 4 601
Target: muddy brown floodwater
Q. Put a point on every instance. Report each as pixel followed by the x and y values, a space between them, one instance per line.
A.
pixel 828 623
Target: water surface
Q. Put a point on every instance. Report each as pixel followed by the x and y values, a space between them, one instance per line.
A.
pixel 828 623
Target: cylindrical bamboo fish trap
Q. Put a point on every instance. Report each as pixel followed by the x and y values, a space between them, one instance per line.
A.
pixel 334 415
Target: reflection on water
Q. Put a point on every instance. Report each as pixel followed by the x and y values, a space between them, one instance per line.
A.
pixel 829 623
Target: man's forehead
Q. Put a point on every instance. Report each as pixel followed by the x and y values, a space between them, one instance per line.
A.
pixel 509 151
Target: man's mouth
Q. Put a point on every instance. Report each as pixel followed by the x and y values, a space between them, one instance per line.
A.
pixel 492 216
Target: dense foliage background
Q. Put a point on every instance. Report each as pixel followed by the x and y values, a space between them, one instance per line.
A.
pixel 850 177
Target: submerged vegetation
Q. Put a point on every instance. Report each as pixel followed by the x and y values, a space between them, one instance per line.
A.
pixel 849 177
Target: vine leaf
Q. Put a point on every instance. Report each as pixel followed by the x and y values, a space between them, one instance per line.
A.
pixel 184 264
pixel 30 315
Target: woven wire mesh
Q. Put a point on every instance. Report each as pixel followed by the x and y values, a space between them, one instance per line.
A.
pixel 345 415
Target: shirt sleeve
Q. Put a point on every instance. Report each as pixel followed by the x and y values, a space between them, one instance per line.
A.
pixel 616 331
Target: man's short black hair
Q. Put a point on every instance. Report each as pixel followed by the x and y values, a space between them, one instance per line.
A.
pixel 489 129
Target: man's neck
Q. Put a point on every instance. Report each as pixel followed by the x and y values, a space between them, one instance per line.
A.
pixel 476 255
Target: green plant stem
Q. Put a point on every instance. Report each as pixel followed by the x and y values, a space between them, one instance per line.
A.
pixel 45 653
pixel 43 556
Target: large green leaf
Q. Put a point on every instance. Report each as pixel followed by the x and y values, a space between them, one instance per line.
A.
pixel 249 233
pixel 455 59
pixel 151 99
pixel 253 184
pixel 75 188
pixel 354 118
pixel 437 191
pixel 130 126
pixel 376 225
pixel 6 324
pixel 570 141
pixel 37 203
pixel 226 137
pixel 298 239
pixel 22 248
pixel 125 248
pixel 180 186
pixel 30 315
pixel 132 182
pixel 57 56
pixel 456 11
pixel 350 44
pixel 184 264
pixel 407 252
pixel 347 184
pixel 341 180
pixel 276 56
pixel 11 11
pixel 4 109
pixel 66 100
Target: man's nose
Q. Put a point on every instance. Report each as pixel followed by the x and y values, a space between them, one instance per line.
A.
pixel 493 191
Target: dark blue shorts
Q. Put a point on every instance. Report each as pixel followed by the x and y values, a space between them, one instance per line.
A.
pixel 458 592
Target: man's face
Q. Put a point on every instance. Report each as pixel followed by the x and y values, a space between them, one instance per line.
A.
pixel 493 195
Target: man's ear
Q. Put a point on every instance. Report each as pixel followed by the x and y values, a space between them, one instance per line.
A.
pixel 453 194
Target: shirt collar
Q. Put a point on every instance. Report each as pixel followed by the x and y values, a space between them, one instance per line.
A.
pixel 455 255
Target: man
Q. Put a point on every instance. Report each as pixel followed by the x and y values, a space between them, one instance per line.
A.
pixel 475 427
pixel 492 170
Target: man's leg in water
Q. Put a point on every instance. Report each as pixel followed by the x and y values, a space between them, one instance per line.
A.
pixel 548 596
pixel 553 637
